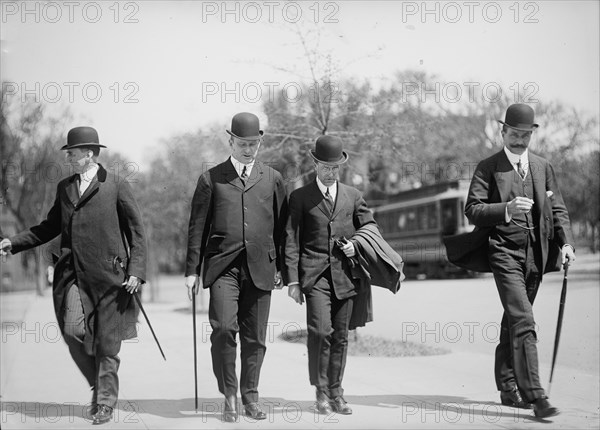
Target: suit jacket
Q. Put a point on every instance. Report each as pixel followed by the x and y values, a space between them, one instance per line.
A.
pixel 94 229
pixel 486 205
pixel 310 233
pixel 228 217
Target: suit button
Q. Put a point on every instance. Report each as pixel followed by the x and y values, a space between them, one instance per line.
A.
pixel 547 218
pixel 245 224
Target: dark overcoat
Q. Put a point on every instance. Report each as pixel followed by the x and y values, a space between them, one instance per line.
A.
pixel 486 206
pixel 311 232
pixel 229 217
pixel 93 230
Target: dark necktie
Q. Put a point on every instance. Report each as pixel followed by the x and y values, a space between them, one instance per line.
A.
pixel 329 200
pixel 520 169
pixel 244 175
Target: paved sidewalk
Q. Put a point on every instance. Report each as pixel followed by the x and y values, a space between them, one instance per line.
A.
pixel 41 387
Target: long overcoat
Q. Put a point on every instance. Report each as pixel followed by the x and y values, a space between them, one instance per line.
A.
pixel 94 229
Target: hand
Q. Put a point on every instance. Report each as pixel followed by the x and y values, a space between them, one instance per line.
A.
pixel 5 246
pixel 295 293
pixel 519 205
pixel 277 281
pixel 132 284
pixel 348 249
pixel 191 282
pixel 568 255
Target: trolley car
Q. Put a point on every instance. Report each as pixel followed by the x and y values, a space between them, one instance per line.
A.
pixel 414 221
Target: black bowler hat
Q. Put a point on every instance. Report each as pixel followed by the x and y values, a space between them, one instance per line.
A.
pixel 520 117
pixel 245 126
pixel 328 149
pixel 82 136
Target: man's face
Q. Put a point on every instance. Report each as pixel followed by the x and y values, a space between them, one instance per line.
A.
pixel 244 151
pixel 78 158
pixel 516 141
pixel 327 173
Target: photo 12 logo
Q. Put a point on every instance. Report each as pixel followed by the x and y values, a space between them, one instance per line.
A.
pixel 270 11
pixel 451 12
pixel 53 12
pixel 71 92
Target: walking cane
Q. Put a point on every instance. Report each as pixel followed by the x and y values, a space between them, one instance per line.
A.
pixel 195 353
pixel 561 309
pixel 139 303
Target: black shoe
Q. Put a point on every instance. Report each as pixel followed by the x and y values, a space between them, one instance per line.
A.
pixel 513 399
pixel 322 406
pixel 92 410
pixel 340 406
pixel 103 415
pixel 253 410
pixel 230 414
pixel 543 409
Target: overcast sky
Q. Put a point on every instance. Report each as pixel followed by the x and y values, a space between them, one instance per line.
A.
pixel 142 71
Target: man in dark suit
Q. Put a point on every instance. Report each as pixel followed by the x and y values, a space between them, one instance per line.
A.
pixel 322 212
pixel 236 223
pixel 515 201
pixel 98 220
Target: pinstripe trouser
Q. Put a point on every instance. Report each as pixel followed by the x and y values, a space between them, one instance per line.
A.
pixel 99 371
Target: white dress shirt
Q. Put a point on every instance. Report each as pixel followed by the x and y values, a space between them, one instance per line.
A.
pixel 323 188
pixel 85 178
pixel 239 167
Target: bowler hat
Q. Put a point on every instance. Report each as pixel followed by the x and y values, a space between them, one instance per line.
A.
pixel 328 149
pixel 245 126
pixel 520 117
pixel 82 136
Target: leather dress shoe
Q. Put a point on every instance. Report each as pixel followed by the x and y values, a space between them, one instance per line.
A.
pixel 340 406
pixel 323 406
pixel 254 411
pixel 513 399
pixel 103 415
pixel 230 414
pixel 543 409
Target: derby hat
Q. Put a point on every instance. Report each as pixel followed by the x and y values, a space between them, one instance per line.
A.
pixel 245 126
pixel 520 117
pixel 328 150
pixel 79 137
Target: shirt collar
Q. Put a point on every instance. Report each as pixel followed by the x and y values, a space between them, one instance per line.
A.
pixel 514 158
pixel 323 188
pixel 239 167
pixel 89 174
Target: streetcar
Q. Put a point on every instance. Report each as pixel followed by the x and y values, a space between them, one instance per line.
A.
pixel 414 221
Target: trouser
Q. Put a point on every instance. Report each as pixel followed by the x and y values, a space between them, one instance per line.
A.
pixel 517 273
pixel 236 305
pixel 99 371
pixel 328 319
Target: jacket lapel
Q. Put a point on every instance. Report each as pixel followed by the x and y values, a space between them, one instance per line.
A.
pixel 94 185
pixel 504 176
pixel 538 177
pixel 318 199
pixel 231 176
pixel 340 200
pixel 255 175
pixel 72 190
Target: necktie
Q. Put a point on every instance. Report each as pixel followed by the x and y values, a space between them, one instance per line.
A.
pixel 329 200
pixel 520 169
pixel 244 175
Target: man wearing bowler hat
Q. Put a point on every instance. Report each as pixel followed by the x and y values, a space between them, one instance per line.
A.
pixel 317 268
pixel 236 223
pixel 522 231
pixel 98 220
